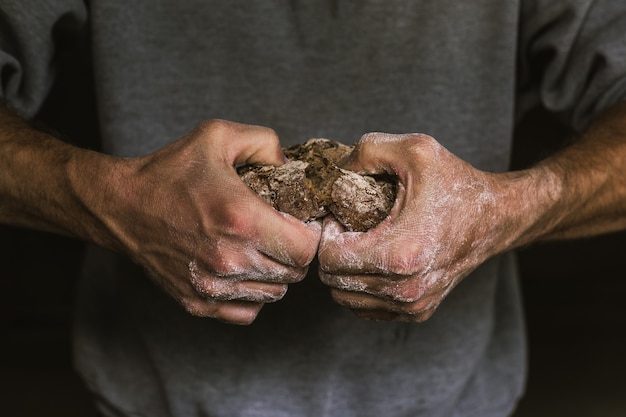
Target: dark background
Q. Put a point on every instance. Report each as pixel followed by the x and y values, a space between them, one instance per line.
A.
pixel 574 295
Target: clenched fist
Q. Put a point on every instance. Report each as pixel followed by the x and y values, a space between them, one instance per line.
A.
pixel 448 218
pixel 203 235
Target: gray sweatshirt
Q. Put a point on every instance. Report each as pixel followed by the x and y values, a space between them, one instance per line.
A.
pixel 459 71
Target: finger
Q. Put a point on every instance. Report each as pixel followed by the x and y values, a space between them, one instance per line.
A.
pixel 232 312
pixel 280 236
pixel 387 249
pixel 225 290
pixel 246 264
pixel 401 289
pixel 241 312
pixel 341 252
pixel 362 301
pixel 274 272
pixel 253 224
pixel 286 239
pixel 238 312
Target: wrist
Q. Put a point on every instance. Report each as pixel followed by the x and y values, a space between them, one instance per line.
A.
pixel 101 188
pixel 529 204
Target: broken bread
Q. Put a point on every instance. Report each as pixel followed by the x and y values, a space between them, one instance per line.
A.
pixel 311 185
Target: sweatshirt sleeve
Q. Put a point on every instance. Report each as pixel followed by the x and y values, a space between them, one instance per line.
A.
pixel 573 57
pixel 31 35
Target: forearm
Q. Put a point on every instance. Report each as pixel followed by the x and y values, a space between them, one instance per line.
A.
pixel 450 217
pixel 580 191
pixel 49 185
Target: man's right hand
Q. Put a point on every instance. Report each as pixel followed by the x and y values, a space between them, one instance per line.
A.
pixel 182 212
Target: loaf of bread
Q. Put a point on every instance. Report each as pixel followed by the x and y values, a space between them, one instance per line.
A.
pixel 311 185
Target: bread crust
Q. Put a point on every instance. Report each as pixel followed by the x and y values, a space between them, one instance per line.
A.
pixel 311 185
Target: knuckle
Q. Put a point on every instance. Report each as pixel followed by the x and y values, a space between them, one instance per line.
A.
pixel 270 136
pixel 423 139
pixel 369 137
pixel 214 126
pixel 418 139
pixel 234 221
pixel 209 286
pixel 206 290
pixel 403 262
pixel 218 131
pixel 365 147
pixel 420 144
pixel 223 267
pixel 207 128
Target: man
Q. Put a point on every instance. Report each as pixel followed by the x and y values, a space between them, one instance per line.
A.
pixel 437 275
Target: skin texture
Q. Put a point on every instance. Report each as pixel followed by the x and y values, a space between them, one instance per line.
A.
pixel 450 217
pixel 182 212
pixel 222 252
